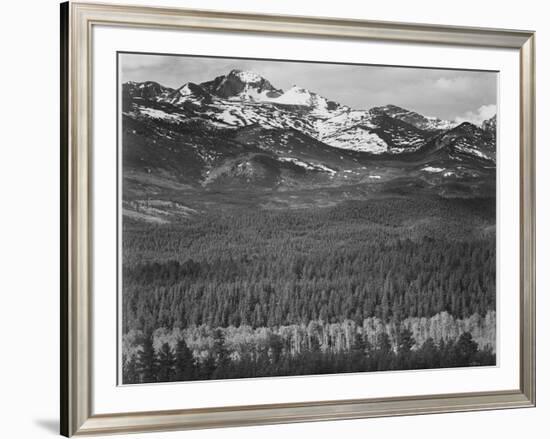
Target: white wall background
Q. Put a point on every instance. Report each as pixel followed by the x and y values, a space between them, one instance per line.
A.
pixel 29 217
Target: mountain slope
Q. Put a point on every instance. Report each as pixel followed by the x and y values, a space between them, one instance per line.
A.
pixel 465 140
pixel 245 98
pixel 237 139
pixel 418 121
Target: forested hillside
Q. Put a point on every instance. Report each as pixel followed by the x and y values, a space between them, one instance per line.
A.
pixel 301 282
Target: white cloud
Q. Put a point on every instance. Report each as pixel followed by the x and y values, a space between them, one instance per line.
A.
pixel 133 61
pixel 478 116
pixel 443 83
pixel 454 84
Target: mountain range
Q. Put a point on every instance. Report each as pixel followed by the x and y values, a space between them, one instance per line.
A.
pixel 239 139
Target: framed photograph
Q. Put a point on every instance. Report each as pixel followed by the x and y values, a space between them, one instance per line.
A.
pixel 274 219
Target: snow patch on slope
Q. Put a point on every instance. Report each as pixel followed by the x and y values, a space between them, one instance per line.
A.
pixel 358 139
pixel 306 165
pixel 158 114
pixel 247 76
pixel 433 169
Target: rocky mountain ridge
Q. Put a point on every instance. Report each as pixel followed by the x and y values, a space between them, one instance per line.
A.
pixel 245 98
pixel 241 136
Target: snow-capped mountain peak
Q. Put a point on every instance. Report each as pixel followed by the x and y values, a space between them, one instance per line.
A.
pixel 241 85
pixel 189 92
pixel 246 76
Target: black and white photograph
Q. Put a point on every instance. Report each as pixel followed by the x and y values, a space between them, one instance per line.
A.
pixel 286 218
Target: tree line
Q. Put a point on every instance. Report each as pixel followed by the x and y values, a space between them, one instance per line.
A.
pixel 334 337
pixel 179 364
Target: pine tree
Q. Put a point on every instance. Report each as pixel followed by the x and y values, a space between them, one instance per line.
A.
pixel 275 347
pixel 405 342
pixel 207 367
pixel 221 355
pixel 383 343
pixel 428 355
pixel 130 374
pixel 314 345
pixel 357 355
pixel 385 305
pixel 465 349
pixel 184 362
pixel 147 364
pixel 383 353
pixel 165 371
pixel 359 344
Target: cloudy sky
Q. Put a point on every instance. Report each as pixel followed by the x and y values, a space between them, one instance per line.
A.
pixel 448 94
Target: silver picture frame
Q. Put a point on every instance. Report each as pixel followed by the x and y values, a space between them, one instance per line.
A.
pixel 77 22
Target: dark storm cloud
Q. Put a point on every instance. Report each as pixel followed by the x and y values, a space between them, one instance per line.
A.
pixel 448 94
